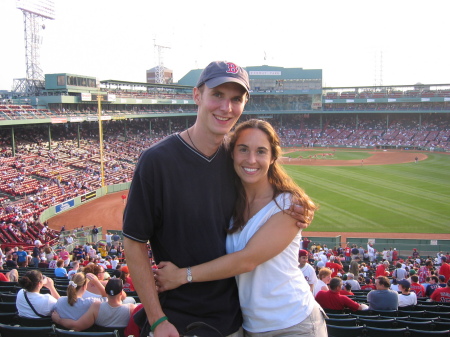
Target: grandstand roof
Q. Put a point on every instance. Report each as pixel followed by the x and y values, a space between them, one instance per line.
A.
pixel 261 72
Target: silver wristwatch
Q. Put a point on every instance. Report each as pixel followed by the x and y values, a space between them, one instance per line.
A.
pixel 189 275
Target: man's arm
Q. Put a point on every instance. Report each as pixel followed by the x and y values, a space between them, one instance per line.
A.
pixel 144 283
pixel 83 323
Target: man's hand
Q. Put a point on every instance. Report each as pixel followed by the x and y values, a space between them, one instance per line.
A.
pixel 297 212
pixel 168 276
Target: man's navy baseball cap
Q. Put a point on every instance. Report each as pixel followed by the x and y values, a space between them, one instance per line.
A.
pixel 219 72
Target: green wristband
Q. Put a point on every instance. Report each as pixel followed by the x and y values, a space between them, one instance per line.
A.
pixel 158 322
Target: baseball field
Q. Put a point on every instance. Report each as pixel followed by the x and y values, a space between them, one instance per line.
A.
pixel 360 193
pixel 385 193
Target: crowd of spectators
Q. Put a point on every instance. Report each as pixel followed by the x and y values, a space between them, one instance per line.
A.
pixel 42 174
pixel 382 281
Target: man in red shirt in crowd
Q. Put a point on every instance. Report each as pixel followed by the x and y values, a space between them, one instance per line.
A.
pixel 347 252
pixel 445 268
pixel 425 271
pixel 332 299
pixel 335 267
pixel 417 287
pixel 368 285
pixel 382 269
pixel 441 294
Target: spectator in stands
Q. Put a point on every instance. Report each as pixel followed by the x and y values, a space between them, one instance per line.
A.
pixel 74 270
pixel 444 269
pixel 21 255
pixel 351 280
pixel 112 313
pixel 383 298
pixel 354 265
pixel 382 269
pixel 346 290
pixel 52 263
pixel 65 256
pixel 308 271
pixel 407 297
pixel 74 305
pixel 60 271
pixel 127 281
pixel 10 263
pixel 442 283
pixel 332 299
pixel 323 279
pixel 368 284
pixel 417 287
pixel 95 289
pixel 399 273
pixel 30 303
pixel 434 284
pixel 442 294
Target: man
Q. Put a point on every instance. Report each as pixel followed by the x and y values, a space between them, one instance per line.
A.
pixel 442 294
pixel 383 298
pixel 307 270
pixel 305 243
pixel 36 254
pixel 434 284
pixel 382 269
pixel 371 251
pixel 415 254
pixel 417 287
pixel 354 265
pixel 193 171
pixel 94 233
pixel 335 267
pixel 425 271
pixel 407 298
pixel 445 268
pixel 332 299
pixel 399 273
pixel 112 313
pixel 351 280
pixel 21 257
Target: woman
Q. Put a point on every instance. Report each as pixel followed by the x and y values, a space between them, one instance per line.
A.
pixel 30 303
pixel 126 279
pixel 74 305
pixel 95 289
pixel 323 279
pixel 263 243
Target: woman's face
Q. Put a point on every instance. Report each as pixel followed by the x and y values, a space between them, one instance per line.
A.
pixel 327 279
pixel 101 274
pixel 252 156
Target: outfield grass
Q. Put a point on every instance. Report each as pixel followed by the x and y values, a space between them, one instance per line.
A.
pixel 400 198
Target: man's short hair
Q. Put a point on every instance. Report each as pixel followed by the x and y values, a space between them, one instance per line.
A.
pixel 415 278
pixel 384 281
pixel 335 283
pixel 350 276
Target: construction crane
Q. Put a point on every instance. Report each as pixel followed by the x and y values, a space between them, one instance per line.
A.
pixel 159 70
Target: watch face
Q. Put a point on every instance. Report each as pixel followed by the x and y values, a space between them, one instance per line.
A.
pixel 189 278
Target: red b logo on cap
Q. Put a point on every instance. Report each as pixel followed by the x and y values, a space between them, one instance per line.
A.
pixel 232 68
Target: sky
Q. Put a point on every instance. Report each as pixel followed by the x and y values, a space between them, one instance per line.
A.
pixel 355 43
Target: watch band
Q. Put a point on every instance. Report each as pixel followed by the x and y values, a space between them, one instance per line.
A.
pixel 189 275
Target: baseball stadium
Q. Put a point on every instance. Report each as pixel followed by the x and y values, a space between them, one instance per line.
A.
pixel 374 158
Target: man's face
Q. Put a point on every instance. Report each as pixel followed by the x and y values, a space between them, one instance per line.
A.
pixel 302 260
pixel 219 108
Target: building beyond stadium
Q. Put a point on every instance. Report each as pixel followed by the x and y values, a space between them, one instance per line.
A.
pixel 397 116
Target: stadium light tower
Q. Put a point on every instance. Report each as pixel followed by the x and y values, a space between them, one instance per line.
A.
pixel 159 71
pixel 35 12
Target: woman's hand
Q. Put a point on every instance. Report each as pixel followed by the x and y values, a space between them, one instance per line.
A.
pixel 168 276
pixel 55 317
